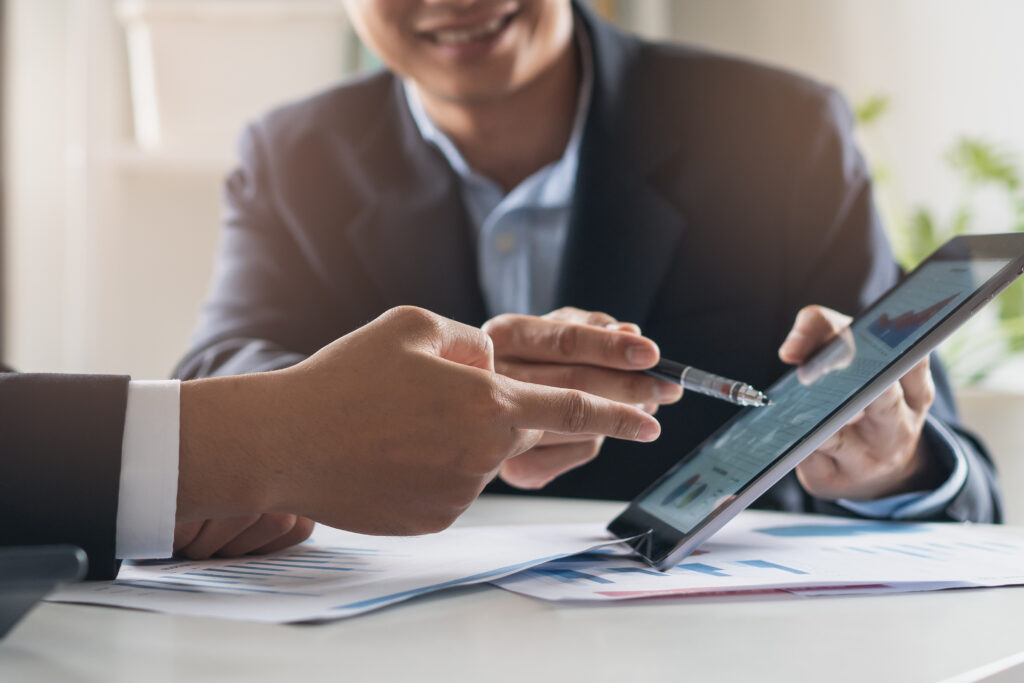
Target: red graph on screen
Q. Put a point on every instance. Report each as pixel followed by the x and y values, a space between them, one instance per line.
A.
pixel 893 331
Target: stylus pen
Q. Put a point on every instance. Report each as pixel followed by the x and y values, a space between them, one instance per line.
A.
pixel 705 383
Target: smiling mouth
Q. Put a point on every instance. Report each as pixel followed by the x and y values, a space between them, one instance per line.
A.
pixel 469 34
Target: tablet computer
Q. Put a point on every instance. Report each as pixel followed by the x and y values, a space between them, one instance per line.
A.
pixel 754 450
pixel 30 572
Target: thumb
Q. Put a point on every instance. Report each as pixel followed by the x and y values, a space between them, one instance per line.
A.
pixel 442 337
pixel 466 345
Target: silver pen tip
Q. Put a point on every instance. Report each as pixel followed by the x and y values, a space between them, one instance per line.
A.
pixel 749 396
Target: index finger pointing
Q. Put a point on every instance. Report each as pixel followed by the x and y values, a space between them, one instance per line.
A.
pixel 569 411
pixel 552 341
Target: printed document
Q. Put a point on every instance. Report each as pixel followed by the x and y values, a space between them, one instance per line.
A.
pixel 335 573
pixel 805 554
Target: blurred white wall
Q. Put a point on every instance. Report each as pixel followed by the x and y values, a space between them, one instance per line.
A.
pixel 36 52
pixel 950 67
pixel 111 244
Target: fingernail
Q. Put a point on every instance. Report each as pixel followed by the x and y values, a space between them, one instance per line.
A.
pixel 649 432
pixel 639 354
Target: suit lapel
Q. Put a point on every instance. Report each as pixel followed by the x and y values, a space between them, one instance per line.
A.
pixel 413 235
pixel 623 231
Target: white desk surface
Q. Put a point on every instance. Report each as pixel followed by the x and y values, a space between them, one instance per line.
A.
pixel 483 633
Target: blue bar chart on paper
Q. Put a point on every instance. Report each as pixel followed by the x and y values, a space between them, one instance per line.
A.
pixel 774 552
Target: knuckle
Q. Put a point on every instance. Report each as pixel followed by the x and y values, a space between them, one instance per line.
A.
pixel 577 412
pixel 625 424
pixel 566 340
pixel 413 318
pixel 491 396
pixel 612 346
pixel 489 403
pixel 928 390
pixel 485 342
pixel 564 313
pixel 598 318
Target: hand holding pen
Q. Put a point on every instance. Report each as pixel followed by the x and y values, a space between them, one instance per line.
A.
pixel 574 349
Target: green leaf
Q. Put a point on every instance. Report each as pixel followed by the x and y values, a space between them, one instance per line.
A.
pixel 870 110
pixel 983 163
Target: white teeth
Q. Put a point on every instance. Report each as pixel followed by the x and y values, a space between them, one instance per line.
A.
pixel 456 36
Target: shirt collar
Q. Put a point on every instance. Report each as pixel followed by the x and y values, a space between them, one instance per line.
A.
pixel 549 187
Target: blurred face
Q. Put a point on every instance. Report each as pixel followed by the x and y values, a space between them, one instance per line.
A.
pixel 465 50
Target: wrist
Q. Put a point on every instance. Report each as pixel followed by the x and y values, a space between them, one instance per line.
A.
pixel 223 444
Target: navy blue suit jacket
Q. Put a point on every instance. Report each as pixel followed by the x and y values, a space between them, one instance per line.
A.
pixel 715 198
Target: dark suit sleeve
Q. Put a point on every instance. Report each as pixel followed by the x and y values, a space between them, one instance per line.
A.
pixel 264 299
pixel 60 462
pixel 836 238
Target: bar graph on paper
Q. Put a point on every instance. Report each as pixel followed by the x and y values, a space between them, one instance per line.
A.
pixel 773 552
pixel 335 574
pixel 292 573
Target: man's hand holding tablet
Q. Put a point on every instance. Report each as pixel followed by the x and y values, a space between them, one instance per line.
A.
pixel 880 396
pixel 880 451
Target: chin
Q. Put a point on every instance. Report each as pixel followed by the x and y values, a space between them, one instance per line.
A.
pixel 475 88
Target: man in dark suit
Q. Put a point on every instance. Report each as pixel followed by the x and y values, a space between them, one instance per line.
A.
pixel 393 429
pixel 523 156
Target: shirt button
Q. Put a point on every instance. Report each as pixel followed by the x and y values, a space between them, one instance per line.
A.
pixel 506 242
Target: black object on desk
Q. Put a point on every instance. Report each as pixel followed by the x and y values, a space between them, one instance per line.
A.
pixel 27 573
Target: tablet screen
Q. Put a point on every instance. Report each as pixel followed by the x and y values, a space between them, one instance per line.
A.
pixel 723 467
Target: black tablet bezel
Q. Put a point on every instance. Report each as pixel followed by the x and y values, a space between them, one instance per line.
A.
pixel 663 545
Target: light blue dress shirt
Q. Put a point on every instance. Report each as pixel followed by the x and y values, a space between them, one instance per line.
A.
pixel 521 239
pixel 520 236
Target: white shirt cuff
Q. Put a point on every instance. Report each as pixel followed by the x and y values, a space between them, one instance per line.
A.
pixel 148 496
